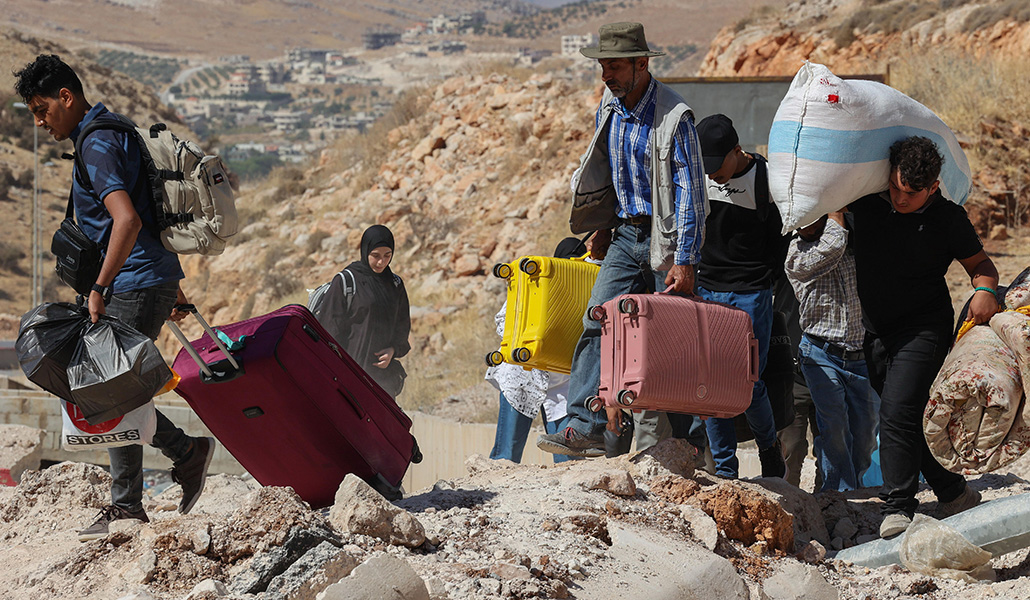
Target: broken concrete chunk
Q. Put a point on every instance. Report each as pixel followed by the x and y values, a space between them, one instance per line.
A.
pixel 701 525
pixel 21 448
pixel 319 568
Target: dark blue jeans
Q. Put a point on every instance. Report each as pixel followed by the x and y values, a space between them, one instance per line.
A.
pixel 722 434
pixel 513 431
pixel 846 409
pixel 902 367
pixel 146 311
pixel 626 270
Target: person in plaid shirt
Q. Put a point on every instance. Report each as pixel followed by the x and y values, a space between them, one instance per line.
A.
pixel 821 268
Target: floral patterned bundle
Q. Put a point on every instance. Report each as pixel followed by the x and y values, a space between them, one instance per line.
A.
pixel 977 418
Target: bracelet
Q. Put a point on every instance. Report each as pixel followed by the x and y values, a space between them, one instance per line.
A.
pixel 985 289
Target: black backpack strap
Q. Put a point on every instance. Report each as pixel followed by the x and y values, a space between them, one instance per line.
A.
pixel 154 176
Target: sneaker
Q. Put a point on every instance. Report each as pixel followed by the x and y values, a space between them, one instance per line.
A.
pixel 101 526
pixel 772 461
pixel 571 442
pixel 191 472
pixel 894 524
pixel 966 500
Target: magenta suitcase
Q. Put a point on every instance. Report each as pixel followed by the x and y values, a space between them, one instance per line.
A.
pixel 675 354
pixel 298 411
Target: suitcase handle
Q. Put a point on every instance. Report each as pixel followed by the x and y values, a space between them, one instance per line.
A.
pixel 204 368
pixel 353 403
pixel 754 359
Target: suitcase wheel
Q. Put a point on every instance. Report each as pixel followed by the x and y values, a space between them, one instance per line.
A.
pixel 627 306
pixel 595 404
pixel 626 397
pixel 529 266
pixel 596 313
pixel 494 358
pixel 416 453
pixel 502 270
pixel 521 354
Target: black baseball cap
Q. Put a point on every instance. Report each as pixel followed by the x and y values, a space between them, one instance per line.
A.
pixel 718 138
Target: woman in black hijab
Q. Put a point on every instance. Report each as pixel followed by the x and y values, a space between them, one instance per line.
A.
pixel 373 323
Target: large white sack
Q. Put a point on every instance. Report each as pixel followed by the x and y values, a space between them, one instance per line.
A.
pixel 831 138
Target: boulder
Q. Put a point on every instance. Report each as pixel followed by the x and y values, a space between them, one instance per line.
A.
pixel 360 509
pixel 382 577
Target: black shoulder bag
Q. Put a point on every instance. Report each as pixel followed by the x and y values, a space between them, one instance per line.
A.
pixel 78 257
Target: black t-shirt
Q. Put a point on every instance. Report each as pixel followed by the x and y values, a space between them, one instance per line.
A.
pixel 902 259
pixel 743 249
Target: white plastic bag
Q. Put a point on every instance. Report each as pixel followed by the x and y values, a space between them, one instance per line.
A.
pixel 134 427
pixel 830 142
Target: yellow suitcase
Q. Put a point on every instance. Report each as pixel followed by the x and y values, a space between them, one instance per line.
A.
pixel 547 298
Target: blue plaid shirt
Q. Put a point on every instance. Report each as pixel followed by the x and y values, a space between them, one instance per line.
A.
pixel 631 170
pixel 113 162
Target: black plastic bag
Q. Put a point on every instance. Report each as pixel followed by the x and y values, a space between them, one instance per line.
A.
pixel 46 340
pixel 109 368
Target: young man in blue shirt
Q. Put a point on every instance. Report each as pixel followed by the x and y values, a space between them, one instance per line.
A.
pixel 139 278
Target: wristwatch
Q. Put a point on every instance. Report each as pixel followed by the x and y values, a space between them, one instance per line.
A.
pixel 105 292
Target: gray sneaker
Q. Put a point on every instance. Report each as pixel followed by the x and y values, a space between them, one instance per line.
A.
pixel 966 500
pixel 191 473
pixel 101 527
pixel 571 442
pixel 894 524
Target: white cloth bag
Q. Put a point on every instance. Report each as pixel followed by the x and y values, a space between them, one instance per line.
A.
pixel 134 427
pixel 830 142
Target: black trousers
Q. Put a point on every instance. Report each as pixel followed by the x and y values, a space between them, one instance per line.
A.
pixel 902 367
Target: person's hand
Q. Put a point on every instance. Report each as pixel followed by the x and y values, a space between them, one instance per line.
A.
pixel 680 279
pixel 96 306
pixel 384 357
pixel 598 243
pixel 982 307
pixel 178 315
pixel 614 419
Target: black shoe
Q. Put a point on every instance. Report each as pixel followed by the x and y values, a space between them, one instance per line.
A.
pixel 571 442
pixel 772 461
pixel 192 472
pixel 101 526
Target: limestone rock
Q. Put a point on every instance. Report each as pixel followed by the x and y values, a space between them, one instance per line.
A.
pixel 802 506
pixel 360 509
pixel 688 571
pixel 208 588
pixel 792 579
pixel 381 577
pixel 615 481
pixel 701 525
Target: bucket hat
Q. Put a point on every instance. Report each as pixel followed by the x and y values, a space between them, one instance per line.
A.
pixel 620 40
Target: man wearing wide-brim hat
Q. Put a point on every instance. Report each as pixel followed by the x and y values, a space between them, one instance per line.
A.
pixel 641 187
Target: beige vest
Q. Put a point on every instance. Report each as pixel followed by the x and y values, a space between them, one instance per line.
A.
pixel 594 201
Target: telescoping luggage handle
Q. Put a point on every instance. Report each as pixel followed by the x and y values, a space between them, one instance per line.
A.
pixel 223 370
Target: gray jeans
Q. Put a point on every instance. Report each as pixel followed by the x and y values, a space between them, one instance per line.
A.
pixel 146 311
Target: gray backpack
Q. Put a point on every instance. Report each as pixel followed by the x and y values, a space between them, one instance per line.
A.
pixel 316 297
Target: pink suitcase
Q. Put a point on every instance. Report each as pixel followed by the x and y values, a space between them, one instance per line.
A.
pixel 295 410
pixel 675 354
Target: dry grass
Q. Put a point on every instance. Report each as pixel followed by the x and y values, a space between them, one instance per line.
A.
pixel 964 89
